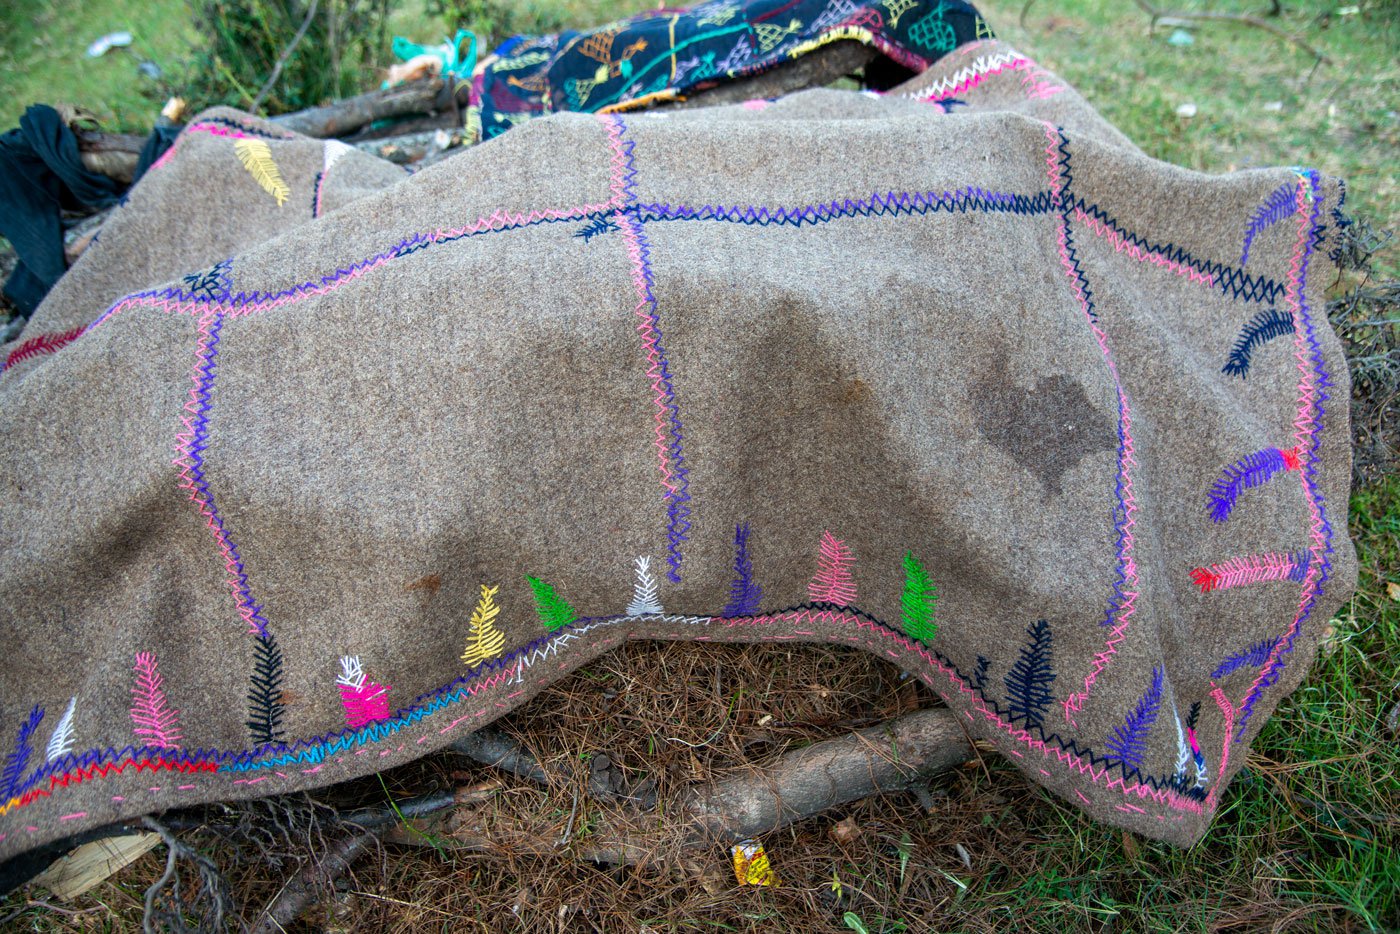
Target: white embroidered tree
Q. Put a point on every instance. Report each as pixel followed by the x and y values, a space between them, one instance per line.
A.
pixel 645 601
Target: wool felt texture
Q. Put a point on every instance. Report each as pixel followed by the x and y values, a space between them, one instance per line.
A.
pixel 662 55
pixel 311 467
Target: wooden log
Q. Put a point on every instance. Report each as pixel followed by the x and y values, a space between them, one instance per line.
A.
pixel 342 118
pixel 815 69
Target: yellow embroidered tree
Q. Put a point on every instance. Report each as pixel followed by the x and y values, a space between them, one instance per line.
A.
pixel 483 638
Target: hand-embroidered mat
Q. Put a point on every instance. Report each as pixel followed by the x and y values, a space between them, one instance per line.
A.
pixel 310 467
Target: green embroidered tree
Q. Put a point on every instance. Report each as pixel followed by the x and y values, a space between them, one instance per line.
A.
pixel 554 611
pixel 919 602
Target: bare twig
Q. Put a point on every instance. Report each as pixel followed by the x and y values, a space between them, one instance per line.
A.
pixel 282 59
pixel 212 888
pixel 1244 19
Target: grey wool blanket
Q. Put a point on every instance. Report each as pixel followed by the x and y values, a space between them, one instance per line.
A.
pixel 310 467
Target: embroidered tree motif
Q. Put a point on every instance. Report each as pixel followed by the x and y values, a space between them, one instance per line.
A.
pixel 555 612
pixel 1246 473
pixel 833 583
pixel 1028 682
pixel 365 701
pixel 745 594
pixel 1200 760
pixel 18 761
pixel 152 718
pixel 1253 656
pixel 256 157
pixel 1262 328
pixel 602 224
pixel 645 601
pixel 484 640
pixel 61 741
pixel 1129 740
pixel 979 674
pixel 265 707
pixel 919 602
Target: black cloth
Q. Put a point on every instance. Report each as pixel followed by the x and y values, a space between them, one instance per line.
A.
pixel 41 175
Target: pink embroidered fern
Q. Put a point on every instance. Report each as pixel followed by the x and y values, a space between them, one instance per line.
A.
pixel 1251 569
pixel 833 583
pixel 153 719
pixel 365 701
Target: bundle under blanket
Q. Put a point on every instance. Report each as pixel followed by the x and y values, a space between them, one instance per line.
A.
pixel 663 55
pixel 310 467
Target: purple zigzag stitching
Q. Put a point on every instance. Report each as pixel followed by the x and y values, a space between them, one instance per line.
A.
pixel 1308 424
pixel 189 449
pixel 1274 208
pixel 675 476
pixel 893 203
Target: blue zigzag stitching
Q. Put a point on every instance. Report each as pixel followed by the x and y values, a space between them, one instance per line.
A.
pixel 677 498
pixel 1244 474
pixel 1235 283
pixel 1269 677
pixel 317 748
pixel 1066 208
pixel 1028 682
pixel 16 762
pixel 1262 328
pixel 599 225
pixel 1120 506
pixel 1129 740
pixel 245 128
pixel 1252 657
pixel 745 592
pixel 1277 206
pixel 890 203
pixel 198 443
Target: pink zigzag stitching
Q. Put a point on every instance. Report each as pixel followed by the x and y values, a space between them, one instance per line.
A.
pixel 185 443
pixel 627 225
pixel 1096 774
pixel 1229 712
pixel 1126 461
pixel 833 583
pixel 1304 427
pixel 152 718
pixel 496 220
pixel 213 129
pixel 1247 569
pixel 1121 245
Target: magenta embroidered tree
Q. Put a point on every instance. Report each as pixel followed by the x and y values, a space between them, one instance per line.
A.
pixel 153 719
pixel 833 582
pixel 365 701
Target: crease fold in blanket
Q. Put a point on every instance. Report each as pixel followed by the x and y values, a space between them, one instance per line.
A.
pixel 954 385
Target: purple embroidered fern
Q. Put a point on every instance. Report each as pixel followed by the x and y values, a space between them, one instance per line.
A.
pixel 1246 473
pixel 1129 741
pixel 153 719
pixel 18 761
pixel 744 593
pixel 1280 203
pixel 1250 657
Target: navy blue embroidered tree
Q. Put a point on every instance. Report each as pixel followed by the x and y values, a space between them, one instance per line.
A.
pixel 265 707
pixel 18 761
pixel 1028 682
pixel 744 593
pixel 1262 328
pixel 1129 740
pixel 979 674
